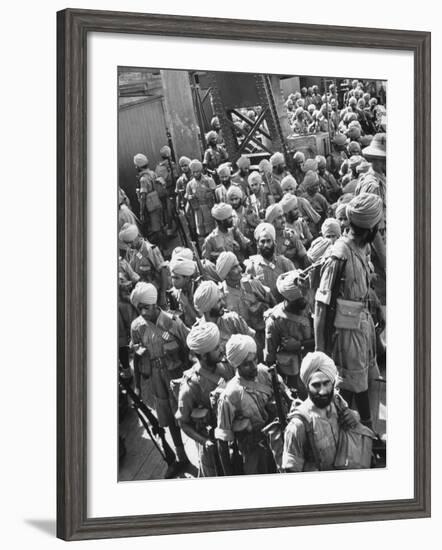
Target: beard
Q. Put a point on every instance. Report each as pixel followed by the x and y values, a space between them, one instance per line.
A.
pixel 225 225
pixel 216 311
pixel 279 169
pixel 267 252
pixel 292 216
pixel 321 401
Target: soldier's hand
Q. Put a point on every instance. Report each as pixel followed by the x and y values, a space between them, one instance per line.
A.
pixel 349 418
pixel 209 445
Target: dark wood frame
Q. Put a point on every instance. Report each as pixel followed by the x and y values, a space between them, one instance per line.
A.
pixel 73 27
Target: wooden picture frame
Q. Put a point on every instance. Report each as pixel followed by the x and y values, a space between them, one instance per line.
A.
pixel 73 27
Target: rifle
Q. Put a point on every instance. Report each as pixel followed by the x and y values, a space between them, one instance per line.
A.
pixel 278 400
pixel 331 308
pixel 150 423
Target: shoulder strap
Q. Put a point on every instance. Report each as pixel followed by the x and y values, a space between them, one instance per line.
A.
pixel 309 432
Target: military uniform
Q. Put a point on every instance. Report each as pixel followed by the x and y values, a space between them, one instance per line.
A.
pixel 195 408
pixel 241 182
pixel 281 326
pixel 182 304
pixel 218 241
pixel 214 156
pixel 244 408
pixel 164 358
pixel 151 195
pixel 201 196
pixel 289 245
pixel 267 271
pixel 147 262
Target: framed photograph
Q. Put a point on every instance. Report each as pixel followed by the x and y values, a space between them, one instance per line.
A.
pixel 229 304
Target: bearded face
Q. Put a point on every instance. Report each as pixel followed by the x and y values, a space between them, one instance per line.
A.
pixel 320 390
pixel 266 247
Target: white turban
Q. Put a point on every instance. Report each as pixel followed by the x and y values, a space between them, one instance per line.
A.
pixel 243 162
pixel 265 166
pixel 310 164
pixel 288 202
pixel 311 178
pixel 224 263
pixel 254 177
pixel 317 361
pixel 223 170
pixel 222 211
pixel 234 191
pixel 211 135
pixel 331 224
pixel 365 210
pixel 277 158
pixel 288 182
pixel 184 160
pixel 341 208
pixel 128 233
pixel 183 252
pixel 144 293
pixel 195 164
pixel 140 160
pixel 265 227
pixel 299 157
pixel 165 151
pixel 182 266
pixel 203 338
pixel 288 287
pixel 238 347
pixel 273 211
pixel 206 296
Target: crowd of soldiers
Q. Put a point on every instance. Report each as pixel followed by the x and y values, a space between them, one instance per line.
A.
pixel 259 333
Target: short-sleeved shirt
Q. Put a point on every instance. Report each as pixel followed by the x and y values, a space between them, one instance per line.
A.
pixel 218 241
pixel 147 263
pixel 267 271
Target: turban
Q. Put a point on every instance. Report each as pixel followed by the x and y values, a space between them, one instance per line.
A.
pixel 348 117
pixel 222 211
pixel 339 139
pixel 243 162
pixel 373 101
pixel 331 225
pixel 310 179
pixel 184 160
pixel 265 228
pixel 195 164
pixel 366 140
pixel 211 135
pixel 254 177
pixel 234 191
pixel 215 120
pixel 288 202
pixel 354 161
pixel 352 101
pixel 182 252
pixel 206 296
pixel 365 210
pixel 273 211
pixel 354 133
pixel 144 293
pixel 299 111
pixel 299 157
pixel 203 338
pixel 288 182
pixel 318 248
pixel 182 266
pixel 341 209
pixel 363 167
pixel 250 114
pixel 265 166
pixel 165 151
pixel 311 108
pixel 224 170
pixel 287 287
pixel 317 361
pixel 224 263
pixel 321 161
pixel 275 159
pixel 377 147
pixel 140 160
pixel 129 232
pixel 210 271
pixel 354 148
pixel 238 347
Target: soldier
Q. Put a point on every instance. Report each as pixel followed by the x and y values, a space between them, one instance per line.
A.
pixel 225 236
pixel 328 186
pixel 338 155
pixel 288 330
pixel 195 413
pixel 245 216
pixel 150 193
pixel 215 154
pixel 223 182
pixel 288 185
pixel 200 193
pixel 287 242
pixel 167 173
pixel 293 220
pixel 317 201
pixel 209 302
pixel 322 246
pixel 247 296
pixel 259 191
pixel 351 340
pixel 127 278
pixel 244 408
pixel 146 260
pixel 298 162
pixel 240 177
pixel 180 296
pixel 266 266
pixel 279 171
pixel 159 342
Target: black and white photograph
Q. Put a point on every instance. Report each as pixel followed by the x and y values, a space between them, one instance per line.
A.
pixel 251 273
